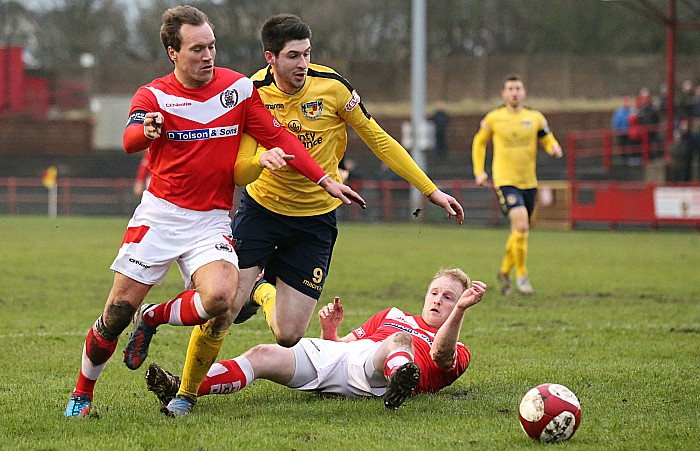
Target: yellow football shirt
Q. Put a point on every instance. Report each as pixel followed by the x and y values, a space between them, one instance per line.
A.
pixel 318 115
pixel 515 136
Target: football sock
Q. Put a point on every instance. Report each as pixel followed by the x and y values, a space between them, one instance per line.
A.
pixel 520 253
pixel 507 264
pixel 96 352
pixel 227 376
pixel 265 296
pixel 395 359
pixel 202 350
pixel 185 310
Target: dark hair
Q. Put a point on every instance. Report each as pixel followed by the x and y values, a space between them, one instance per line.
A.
pixel 512 77
pixel 280 29
pixel 174 19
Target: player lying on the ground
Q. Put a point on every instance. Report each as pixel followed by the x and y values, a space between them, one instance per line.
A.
pixel 393 354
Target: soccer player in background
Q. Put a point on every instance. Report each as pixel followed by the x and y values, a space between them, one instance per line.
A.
pixel 191 121
pixel 516 131
pixel 143 176
pixel 285 224
pixel 392 355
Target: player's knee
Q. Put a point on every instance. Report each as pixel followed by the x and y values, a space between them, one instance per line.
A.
pixel 259 353
pixel 288 340
pixel 402 340
pixel 523 228
pixel 217 303
pixel 117 317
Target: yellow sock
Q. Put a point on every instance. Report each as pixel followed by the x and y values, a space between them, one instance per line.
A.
pixel 265 296
pixel 202 350
pixel 507 263
pixel 520 253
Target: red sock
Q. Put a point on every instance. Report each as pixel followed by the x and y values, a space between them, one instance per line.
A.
pixel 395 359
pixel 185 310
pixel 96 352
pixel 84 386
pixel 227 376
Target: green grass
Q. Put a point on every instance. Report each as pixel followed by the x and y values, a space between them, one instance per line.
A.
pixel 615 318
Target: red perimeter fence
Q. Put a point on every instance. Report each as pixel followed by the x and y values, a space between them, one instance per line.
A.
pixel 603 189
pixel 388 201
pixel 561 204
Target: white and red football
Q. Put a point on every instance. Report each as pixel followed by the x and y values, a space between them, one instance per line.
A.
pixel 550 413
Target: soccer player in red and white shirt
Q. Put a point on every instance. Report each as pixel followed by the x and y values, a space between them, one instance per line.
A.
pixel 393 354
pixel 191 121
pixel 143 176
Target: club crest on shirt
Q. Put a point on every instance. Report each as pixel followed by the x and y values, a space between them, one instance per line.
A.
pixel 526 124
pixel 312 109
pixel 229 98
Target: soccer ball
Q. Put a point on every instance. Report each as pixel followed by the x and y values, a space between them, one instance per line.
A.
pixel 550 413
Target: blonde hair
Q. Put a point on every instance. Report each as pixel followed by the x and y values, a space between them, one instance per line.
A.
pixel 457 274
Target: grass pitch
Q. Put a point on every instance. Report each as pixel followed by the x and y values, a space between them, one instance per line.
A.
pixel 615 318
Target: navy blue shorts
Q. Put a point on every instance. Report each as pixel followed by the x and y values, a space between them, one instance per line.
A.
pixel 510 196
pixel 297 249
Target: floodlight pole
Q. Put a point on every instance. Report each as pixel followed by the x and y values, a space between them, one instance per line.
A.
pixel 418 82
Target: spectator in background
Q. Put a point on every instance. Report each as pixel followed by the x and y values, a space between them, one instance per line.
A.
pixel 348 170
pixel 621 123
pixel 663 94
pixel 441 120
pixel 695 103
pixel 648 119
pixel 694 148
pixel 685 100
pixel 680 167
pixel 143 176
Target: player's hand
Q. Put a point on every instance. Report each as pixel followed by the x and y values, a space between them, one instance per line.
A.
pixel 274 158
pixel 330 316
pixel 449 203
pixel 557 152
pixel 152 125
pixel 342 192
pixel 332 312
pixel 473 295
pixel 481 179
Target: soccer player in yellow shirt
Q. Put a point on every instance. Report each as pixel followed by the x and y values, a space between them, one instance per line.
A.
pixel 516 131
pixel 285 225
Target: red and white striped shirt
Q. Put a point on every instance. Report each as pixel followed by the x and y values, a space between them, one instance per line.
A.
pixel 192 161
pixel 387 322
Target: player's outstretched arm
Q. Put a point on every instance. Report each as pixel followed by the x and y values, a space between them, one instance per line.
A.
pixel 449 203
pixel 342 192
pixel 445 344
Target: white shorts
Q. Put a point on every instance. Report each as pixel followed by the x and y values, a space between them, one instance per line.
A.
pixel 339 366
pixel 160 233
